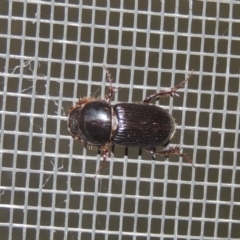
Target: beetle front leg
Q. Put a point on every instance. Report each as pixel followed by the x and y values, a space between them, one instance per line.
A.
pixel 171 92
pixel 172 151
pixel 112 90
pixel 105 154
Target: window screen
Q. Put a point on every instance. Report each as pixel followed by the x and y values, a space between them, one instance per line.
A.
pixel 52 53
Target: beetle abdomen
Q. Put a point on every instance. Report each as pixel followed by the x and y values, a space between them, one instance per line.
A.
pixel 142 125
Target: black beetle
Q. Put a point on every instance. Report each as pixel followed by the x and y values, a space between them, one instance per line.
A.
pixel 98 123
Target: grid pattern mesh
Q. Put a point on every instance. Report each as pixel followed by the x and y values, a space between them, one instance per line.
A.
pixel 51 53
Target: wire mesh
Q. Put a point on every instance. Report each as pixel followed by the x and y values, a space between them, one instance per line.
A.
pixel 51 53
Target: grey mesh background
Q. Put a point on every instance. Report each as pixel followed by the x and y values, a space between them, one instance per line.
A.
pixel 51 53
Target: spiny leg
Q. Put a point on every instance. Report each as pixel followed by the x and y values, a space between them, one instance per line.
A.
pixel 171 92
pixel 173 151
pixel 105 154
pixel 112 90
pixel 103 150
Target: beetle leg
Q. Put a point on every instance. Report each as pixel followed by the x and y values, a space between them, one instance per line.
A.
pixel 172 151
pixel 171 92
pixel 152 150
pixel 112 90
pixel 105 154
pixel 84 144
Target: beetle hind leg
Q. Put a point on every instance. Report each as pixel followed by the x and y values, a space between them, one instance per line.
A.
pixel 172 151
pixel 171 92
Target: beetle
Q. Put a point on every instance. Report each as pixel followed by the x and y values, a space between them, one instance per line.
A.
pixel 96 122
